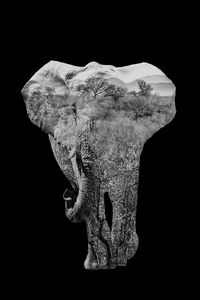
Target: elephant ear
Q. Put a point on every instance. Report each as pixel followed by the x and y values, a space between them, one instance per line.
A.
pixel 44 94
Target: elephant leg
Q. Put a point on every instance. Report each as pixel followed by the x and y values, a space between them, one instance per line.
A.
pixel 123 236
pixel 109 248
pixel 99 244
pixel 99 235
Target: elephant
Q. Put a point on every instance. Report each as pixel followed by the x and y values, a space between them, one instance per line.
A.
pixel 97 141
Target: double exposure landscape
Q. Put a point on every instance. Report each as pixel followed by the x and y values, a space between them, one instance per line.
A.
pixel 98 118
pixel 143 105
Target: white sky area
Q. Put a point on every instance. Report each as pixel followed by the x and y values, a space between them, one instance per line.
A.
pixel 136 71
pixel 126 74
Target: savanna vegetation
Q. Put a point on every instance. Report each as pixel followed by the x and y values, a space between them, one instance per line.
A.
pixel 123 117
pixel 108 99
pixel 104 101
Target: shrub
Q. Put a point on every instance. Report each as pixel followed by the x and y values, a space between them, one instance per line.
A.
pixel 140 108
pixel 102 112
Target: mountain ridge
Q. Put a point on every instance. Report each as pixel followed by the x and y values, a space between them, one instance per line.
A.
pixel 126 76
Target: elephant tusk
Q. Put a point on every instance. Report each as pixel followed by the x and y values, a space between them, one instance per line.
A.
pixel 72 153
pixel 68 199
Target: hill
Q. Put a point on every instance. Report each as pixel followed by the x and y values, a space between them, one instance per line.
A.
pixel 117 82
pixel 160 84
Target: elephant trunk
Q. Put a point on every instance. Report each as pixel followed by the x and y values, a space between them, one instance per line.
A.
pixel 77 201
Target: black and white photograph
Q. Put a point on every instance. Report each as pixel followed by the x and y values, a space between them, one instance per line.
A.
pixel 100 145
pixel 97 119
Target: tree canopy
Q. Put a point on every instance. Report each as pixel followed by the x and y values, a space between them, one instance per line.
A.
pixel 94 85
pixel 144 88
pixel 115 92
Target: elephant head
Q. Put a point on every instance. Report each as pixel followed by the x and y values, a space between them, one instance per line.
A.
pixel 98 118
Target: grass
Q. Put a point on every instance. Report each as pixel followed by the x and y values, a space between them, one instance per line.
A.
pixel 131 118
pixel 137 114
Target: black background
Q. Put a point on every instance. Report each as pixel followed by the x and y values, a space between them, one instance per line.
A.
pixel 48 249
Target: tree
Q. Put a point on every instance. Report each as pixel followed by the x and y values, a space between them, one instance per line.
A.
pixel 115 92
pixel 94 85
pixel 144 88
pixel 82 89
pixel 50 90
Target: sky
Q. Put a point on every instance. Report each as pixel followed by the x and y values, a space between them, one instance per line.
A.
pixel 126 73
pixel 136 71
